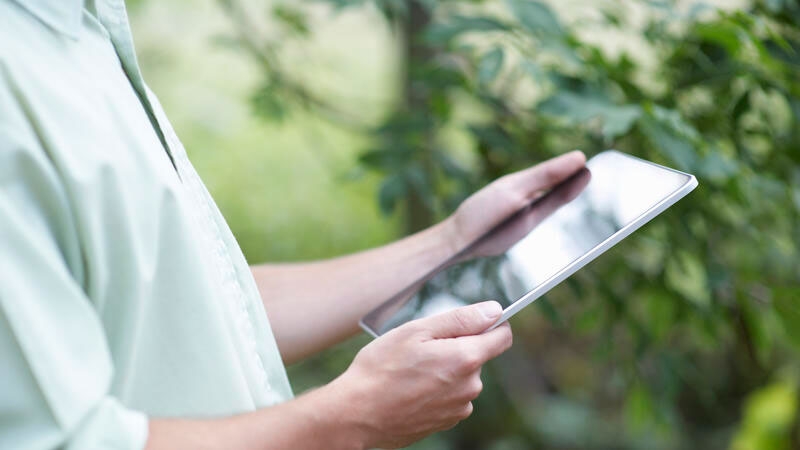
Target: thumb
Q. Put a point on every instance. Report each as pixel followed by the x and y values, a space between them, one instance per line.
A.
pixel 466 321
pixel 549 173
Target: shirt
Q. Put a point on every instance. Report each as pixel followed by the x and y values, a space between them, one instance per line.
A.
pixel 123 293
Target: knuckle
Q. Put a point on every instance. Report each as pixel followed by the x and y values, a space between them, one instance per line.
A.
pixel 516 197
pixel 475 387
pixel 507 337
pixel 449 425
pixel 400 333
pixel 462 318
pixel 510 188
pixel 420 330
pixel 466 411
pixel 471 362
pixel 549 173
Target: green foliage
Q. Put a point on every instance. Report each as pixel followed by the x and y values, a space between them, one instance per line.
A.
pixel 673 338
pixel 770 413
pixel 489 65
pixel 536 18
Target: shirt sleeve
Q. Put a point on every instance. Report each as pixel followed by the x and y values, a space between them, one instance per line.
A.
pixel 55 366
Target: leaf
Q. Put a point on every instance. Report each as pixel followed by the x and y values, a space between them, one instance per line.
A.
pixel 490 65
pixel 564 52
pixel 570 105
pixel 550 311
pixel 226 41
pixel 726 34
pixel 742 105
pixel 699 9
pixel 639 408
pixel 267 104
pixel 403 124
pixel 672 136
pixel 535 71
pixel 757 329
pixel 785 51
pixel 775 6
pixel 479 23
pixel 579 108
pixel 589 321
pixel 392 190
pixel 795 107
pixel 796 192
pixel 686 275
pixel 450 166
pixel 416 177
pixel 717 167
pixel 342 4
pixel 536 17
pixel 493 135
pixel 768 419
pixel 386 158
pixel 618 120
pixel 661 311
pixel 676 149
pixel 786 301
pixel 441 33
pixel 612 16
pixel 675 122
pixel 292 18
pixel 392 10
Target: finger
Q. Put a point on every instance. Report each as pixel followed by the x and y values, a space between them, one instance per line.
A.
pixel 547 174
pixel 466 321
pixel 557 198
pixel 461 412
pixel 473 386
pixel 576 185
pixel 465 411
pixel 490 344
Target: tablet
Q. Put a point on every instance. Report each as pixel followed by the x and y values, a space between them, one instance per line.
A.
pixel 541 245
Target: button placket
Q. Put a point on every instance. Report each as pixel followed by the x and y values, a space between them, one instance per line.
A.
pixel 212 234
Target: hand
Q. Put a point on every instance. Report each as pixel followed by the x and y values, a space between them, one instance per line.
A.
pixel 513 230
pixel 505 196
pixel 421 377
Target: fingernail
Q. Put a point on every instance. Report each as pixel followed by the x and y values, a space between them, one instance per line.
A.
pixel 490 310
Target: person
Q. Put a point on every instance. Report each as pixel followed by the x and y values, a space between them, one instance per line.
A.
pixel 129 318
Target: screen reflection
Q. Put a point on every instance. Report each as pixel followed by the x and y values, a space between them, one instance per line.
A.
pixel 537 242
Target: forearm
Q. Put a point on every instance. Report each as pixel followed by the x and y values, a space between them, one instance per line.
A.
pixel 316 420
pixel 315 305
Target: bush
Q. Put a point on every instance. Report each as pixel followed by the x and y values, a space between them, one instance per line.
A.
pixel 686 335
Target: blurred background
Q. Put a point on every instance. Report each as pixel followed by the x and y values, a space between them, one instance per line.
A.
pixel 330 126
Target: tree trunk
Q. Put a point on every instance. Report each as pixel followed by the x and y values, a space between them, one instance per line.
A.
pixel 416 99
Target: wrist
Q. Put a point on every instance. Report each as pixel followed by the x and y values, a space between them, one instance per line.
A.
pixel 449 235
pixel 341 415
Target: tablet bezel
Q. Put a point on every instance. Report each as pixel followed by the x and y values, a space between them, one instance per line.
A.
pixel 577 264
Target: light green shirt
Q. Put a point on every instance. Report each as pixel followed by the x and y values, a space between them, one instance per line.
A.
pixel 123 293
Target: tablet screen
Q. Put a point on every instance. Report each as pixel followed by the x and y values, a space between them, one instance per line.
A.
pixel 537 243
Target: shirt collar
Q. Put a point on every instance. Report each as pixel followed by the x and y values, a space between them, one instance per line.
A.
pixel 64 16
